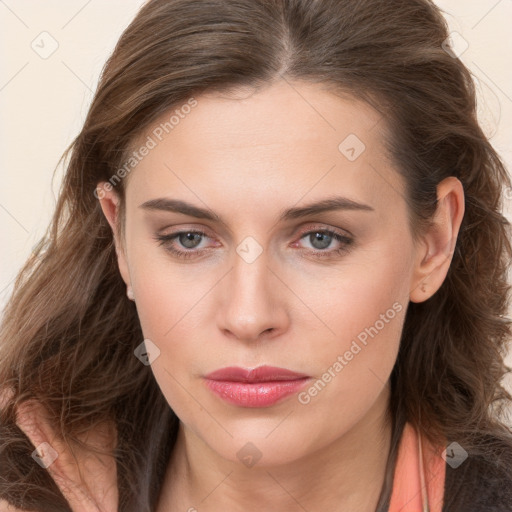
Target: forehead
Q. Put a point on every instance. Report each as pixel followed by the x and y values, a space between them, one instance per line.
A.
pixel 285 141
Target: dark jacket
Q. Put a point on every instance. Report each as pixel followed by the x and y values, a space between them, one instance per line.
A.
pixel 477 485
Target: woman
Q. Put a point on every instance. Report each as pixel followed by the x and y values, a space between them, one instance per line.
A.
pixel 275 278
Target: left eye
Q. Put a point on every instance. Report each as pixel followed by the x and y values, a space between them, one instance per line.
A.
pixel 321 239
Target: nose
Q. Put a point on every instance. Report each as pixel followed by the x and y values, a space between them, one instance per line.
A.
pixel 253 301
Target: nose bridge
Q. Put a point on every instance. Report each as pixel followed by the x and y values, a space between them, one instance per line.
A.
pixel 250 273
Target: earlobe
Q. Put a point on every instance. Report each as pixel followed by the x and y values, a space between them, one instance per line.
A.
pixel 435 252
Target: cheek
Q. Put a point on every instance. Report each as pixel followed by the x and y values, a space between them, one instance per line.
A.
pixel 167 306
pixel 164 289
pixel 172 302
pixel 369 289
pixel 362 311
pixel 366 315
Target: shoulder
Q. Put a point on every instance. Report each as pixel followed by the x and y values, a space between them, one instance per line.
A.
pixel 481 482
pixel 86 478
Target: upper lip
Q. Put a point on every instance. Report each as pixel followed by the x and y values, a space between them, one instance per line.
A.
pixel 259 374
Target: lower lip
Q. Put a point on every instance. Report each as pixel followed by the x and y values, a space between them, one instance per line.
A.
pixel 255 394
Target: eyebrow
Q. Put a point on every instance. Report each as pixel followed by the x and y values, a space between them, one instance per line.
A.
pixel 296 212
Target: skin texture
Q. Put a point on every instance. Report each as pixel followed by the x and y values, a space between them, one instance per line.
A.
pixel 247 157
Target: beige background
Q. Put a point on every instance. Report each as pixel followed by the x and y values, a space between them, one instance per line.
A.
pixel 43 101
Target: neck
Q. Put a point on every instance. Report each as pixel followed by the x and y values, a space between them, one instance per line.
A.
pixel 347 474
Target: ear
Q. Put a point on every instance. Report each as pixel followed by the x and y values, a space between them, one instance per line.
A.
pixel 110 202
pixel 436 246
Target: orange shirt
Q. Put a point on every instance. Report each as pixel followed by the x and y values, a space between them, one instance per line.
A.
pixel 419 477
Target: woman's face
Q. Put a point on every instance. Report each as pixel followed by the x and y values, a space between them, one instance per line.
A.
pixel 267 284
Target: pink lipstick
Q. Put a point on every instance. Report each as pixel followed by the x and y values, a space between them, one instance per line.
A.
pixel 257 387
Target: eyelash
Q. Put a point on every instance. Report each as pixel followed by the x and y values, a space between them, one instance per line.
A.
pixel 343 239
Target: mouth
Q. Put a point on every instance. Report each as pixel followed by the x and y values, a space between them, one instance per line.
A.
pixel 258 387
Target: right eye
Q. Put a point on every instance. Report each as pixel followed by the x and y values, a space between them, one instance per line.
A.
pixel 187 239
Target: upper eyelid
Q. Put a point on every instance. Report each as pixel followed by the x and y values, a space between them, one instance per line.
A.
pixel 307 226
pixel 320 227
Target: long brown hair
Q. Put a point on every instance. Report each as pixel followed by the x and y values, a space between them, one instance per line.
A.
pixel 69 331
